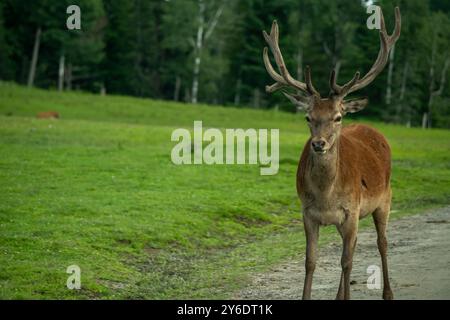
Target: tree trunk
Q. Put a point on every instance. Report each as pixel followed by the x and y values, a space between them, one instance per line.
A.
pixel 404 79
pixel 389 77
pixel 198 50
pixel 61 74
pixel 400 108
pixel 237 95
pixel 334 56
pixel 200 42
pixel 68 76
pixel 438 92
pixel 299 69
pixel 432 92
pixel 426 123
pixel 424 120
pixel 428 114
pixel 34 59
pixel 187 95
pixel 103 90
pixel 256 98
pixel 300 63
pixel 337 67
pixel 176 94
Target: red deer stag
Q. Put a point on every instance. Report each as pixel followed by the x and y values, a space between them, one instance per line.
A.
pixel 344 173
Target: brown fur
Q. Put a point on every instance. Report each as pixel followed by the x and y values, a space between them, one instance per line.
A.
pixel 364 162
pixel 48 115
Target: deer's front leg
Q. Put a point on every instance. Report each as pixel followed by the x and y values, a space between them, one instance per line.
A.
pixel 312 237
pixel 348 233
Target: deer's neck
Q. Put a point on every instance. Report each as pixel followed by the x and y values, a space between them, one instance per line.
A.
pixel 323 169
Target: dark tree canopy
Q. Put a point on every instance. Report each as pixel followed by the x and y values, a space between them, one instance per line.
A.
pixel 152 49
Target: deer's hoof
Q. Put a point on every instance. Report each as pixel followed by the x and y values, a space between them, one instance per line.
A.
pixel 388 295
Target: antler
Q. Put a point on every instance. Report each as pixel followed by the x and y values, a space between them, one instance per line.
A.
pixel 386 44
pixel 285 79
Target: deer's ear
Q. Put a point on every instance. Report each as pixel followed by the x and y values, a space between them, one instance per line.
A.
pixel 301 102
pixel 354 105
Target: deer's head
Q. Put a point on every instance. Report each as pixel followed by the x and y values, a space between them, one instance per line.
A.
pixel 324 115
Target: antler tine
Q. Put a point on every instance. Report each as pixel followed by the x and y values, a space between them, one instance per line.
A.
pixel 275 31
pixel 342 90
pixel 386 44
pixel 396 33
pixel 398 25
pixel 275 76
pixel 350 84
pixel 274 87
pixel 383 55
pixel 291 98
pixel 285 79
pixel 335 88
pixel 309 84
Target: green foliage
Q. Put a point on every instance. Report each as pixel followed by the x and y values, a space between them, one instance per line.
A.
pixel 119 47
pixel 97 189
pixel 147 48
pixel 83 49
pixel 442 112
pixel 6 69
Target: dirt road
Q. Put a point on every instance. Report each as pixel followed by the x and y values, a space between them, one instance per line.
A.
pixel 419 261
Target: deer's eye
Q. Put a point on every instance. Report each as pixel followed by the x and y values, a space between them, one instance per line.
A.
pixel 338 119
pixel 308 119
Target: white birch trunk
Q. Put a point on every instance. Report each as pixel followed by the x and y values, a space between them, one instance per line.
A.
pixel 34 59
pixel 61 74
pixel 438 92
pixel 400 108
pixel 389 77
pixel 300 63
pixel 204 31
pixel 198 50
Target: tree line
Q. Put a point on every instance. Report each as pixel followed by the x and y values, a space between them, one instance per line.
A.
pixel 210 51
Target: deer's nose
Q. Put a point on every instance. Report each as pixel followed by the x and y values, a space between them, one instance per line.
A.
pixel 318 145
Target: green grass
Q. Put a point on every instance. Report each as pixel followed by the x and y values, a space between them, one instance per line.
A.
pixel 97 189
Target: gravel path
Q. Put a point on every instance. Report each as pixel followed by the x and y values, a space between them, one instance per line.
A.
pixel 418 257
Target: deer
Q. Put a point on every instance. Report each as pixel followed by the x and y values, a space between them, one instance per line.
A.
pixel 48 115
pixel 343 173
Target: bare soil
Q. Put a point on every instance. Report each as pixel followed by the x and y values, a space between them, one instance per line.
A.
pixel 418 257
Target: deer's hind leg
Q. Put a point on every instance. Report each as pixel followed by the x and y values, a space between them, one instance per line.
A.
pixel 380 218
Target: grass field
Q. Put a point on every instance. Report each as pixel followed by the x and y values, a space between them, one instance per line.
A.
pixel 97 189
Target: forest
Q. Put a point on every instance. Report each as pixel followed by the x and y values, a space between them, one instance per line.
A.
pixel 210 51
